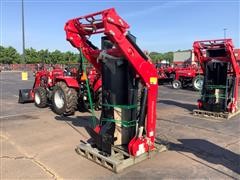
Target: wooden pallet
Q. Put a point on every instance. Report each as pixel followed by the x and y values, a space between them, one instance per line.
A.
pixel 215 115
pixel 119 159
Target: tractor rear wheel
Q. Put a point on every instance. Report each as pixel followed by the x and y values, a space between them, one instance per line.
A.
pixel 40 97
pixel 197 82
pixel 64 99
pixel 176 84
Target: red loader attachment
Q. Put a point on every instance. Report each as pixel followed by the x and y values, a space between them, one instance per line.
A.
pixel 219 95
pixel 126 132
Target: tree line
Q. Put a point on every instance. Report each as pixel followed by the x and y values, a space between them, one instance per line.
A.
pixel 157 57
pixel 9 55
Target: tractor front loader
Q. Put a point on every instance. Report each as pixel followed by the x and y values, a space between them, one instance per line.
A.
pixel 42 87
pixel 219 94
pixel 126 131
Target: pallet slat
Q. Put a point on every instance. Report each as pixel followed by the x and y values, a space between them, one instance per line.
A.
pixel 216 115
pixel 115 162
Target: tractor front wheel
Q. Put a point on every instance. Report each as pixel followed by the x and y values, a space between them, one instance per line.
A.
pixel 64 99
pixel 176 84
pixel 197 82
pixel 40 97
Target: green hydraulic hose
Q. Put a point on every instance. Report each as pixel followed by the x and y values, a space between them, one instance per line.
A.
pixel 88 91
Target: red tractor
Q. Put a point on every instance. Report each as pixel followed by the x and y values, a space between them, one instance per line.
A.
pixel 165 73
pixel 180 77
pixel 71 92
pixel 219 95
pixel 65 90
pixel 190 76
pixel 42 87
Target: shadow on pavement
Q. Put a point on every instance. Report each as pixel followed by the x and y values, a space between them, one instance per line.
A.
pixel 189 107
pixel 208 151
pixel 86 122
pixel 201 148
pixel 80 121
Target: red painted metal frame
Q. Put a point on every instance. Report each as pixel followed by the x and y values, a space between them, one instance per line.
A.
pixel 227 44
pixel 108 22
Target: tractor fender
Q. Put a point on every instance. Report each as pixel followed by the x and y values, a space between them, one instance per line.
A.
pixel 97 85
pixel 70 81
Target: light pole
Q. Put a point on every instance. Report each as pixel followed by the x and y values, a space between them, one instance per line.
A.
pixel 225 32
pixel 24 72
pixel 23 37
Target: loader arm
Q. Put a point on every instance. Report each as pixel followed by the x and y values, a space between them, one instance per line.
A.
pixel 109 23
pixel 76 36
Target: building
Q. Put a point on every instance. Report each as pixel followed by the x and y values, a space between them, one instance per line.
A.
pixel 182 57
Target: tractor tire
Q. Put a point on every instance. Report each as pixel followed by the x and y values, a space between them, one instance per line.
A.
pixel 98 102
pixel 40 97
pixel 197 82
pixel 176 84
pixel 64 99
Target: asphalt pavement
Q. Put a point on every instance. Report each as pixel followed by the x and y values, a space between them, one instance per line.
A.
pixel 36 143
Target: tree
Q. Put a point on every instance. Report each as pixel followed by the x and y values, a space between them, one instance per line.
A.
pixel 9 55
pixel 157 57
pixel 56 57
pixel 44 56
pixel 70 57
pixel 31 56
pixel 168 56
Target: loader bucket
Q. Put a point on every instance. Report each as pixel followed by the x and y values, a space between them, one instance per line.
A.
pixel 26 96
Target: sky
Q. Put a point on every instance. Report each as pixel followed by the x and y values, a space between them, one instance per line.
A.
pixel 159 25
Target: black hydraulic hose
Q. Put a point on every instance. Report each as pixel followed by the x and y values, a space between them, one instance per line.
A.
pixel 80 68
pixel 143 107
